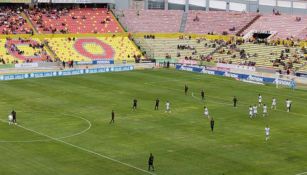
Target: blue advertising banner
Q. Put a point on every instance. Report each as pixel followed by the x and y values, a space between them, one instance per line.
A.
pixel 66 72
pixel 267 80
pixel 94 62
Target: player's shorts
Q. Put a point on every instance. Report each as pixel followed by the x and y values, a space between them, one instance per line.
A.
pixel 206 113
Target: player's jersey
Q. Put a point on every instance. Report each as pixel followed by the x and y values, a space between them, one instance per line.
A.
pixel 206 111
pixel 250 110
pixel 288 103
pixel 274 102
pixel 267 131
pixel 260 99
pixel 265 109
pixel 10 117
pixel 255 109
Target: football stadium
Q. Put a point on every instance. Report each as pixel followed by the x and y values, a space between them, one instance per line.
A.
pixel 153 87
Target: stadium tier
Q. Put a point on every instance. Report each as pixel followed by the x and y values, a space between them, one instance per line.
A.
pixel 74 20
pixel 94 48
pixel 285 26
pixel 155 21
pixel 271 56
pixel 217 22
pixel 12 22
pixel 23 50
pixel 161 48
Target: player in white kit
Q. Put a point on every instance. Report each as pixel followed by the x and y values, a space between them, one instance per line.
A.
pixel 259 100
pixel 10 118
pixel 288 105
pixel 206 112
pixel 267 133
pixel 251 112
pixel 265 110
pixel 168 107
pixel 274 103
pixel 255 112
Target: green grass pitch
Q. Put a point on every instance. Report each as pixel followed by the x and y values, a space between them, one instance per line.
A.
pixel 64 126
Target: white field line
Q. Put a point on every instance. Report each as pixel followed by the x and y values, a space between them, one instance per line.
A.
pixel 302 173
pixel 46 140
pixel 84 149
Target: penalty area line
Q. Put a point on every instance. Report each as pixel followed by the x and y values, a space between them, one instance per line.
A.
pixel 302 173
pixel 85 150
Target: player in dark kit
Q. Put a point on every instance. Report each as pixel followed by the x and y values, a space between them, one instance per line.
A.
pixel 186 88
pixel 235 100
pixel 212 124
pixel 157 104
pixel 202 93
pixel 112 117
pixel 135 102
pixel 14 116
pixel 150 162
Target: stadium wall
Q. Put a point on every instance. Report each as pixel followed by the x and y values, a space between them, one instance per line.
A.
pixel 238 76
pixel 66 72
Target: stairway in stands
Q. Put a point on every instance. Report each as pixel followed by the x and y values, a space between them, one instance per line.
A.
pixel 26 17
pixel 248 25
pixel 183 22
pixel 50 51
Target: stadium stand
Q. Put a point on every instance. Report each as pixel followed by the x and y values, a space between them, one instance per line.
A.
pixel 12 21
pixel 153 21
pixel 252 54
pixel 73 20
pixel 191 49
pixel 217 22
pixel 118 48
pixel 23 50
pixel 286 26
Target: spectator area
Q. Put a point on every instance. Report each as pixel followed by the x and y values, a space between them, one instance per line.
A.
pixel 23 50
pixel 161 48
pixel 262 55
pixel 94 48
pixel 154 21
pixel 74 20
pixel 286 26
pixel 217 22
pixel 12 21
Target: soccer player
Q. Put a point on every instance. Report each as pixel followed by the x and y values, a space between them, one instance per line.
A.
pixel 150 162
pixel 202 93
pixel 206 112
pixel 186 88
pixel 168 107
pixel 212 124
pixel 265 110
pixel 259 100
pixel 112 117
pixel 14 117
pixel 157 104
pixel 235 100
pixel 274 103
pixel 10 118
pixel 135 103
pixel 288 105
pixel 255 112
pixel 251 113
pixel 267 133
